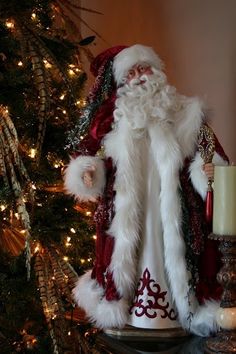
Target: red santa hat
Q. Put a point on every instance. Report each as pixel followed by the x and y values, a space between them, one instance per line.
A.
pixel 109 68
pixel 130 56
pixel 104 58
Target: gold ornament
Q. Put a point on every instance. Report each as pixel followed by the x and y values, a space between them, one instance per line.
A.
pixel 206 143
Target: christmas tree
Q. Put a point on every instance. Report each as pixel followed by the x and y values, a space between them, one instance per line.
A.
pixel 46 239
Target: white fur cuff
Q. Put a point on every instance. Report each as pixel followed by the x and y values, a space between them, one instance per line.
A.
pixel 204 320
pixel 198 176
pixel 103 313
pixel 73 181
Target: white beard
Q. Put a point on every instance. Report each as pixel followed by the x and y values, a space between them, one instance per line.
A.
pixel 147 99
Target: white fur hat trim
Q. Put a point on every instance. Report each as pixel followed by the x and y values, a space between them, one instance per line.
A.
pixel 130 56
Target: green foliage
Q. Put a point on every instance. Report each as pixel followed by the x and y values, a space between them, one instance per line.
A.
pixel 27 89
pixel 20 305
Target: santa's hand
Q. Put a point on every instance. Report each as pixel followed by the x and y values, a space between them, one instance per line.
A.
pixel 208 168
pixel 88 177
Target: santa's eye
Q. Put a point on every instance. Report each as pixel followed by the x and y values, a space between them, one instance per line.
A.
pixel 142 68
pixel 131 73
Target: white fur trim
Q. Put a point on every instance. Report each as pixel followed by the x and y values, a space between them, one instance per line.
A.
pixel 188 121
pixel 73 181
pixel 198 176
pixel 128 57
pixel 125 227
pixel 168 160
pixel 204 321
pixel 87 293
pixel 104 314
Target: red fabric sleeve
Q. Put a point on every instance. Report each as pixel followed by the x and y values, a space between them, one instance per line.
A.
pixel 100 126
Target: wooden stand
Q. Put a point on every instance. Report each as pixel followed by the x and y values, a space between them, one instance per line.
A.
pixel 225 339
pixel 142 334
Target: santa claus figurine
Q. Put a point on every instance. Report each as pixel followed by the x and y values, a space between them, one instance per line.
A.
pixel 142 161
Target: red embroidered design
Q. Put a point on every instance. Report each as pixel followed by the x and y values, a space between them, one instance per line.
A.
pixel 151 306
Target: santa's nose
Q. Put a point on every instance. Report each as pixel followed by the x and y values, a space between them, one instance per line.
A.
pixel 137 73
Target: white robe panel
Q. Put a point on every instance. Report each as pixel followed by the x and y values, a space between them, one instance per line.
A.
pixel 150 313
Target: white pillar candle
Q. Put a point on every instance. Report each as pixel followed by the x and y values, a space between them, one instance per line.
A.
pixel 224 210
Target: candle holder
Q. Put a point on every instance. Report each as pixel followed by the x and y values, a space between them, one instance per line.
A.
pixel 225 339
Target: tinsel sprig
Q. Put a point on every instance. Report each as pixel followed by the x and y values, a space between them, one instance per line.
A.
pixel 101 89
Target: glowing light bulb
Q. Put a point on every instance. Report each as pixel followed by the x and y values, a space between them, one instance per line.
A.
pixel 67 244
pixel 47 64
pixel 2 207
pixel 9 24
pixel 37 248
pixel 94 237
pixel 88 213
pixel 71 72
pixel 81 103
pixel 32 153
pixel 72 230
pixel 65 258
pixel 62 96
pixel 33 16
pixel 20 63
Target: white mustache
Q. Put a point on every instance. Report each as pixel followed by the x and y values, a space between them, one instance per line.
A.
pixel 138 81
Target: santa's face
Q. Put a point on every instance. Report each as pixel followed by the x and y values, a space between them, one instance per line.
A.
pixel 137 71
pixel 145 97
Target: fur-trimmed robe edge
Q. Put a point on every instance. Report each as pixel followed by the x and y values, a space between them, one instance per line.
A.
pixel 170 145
